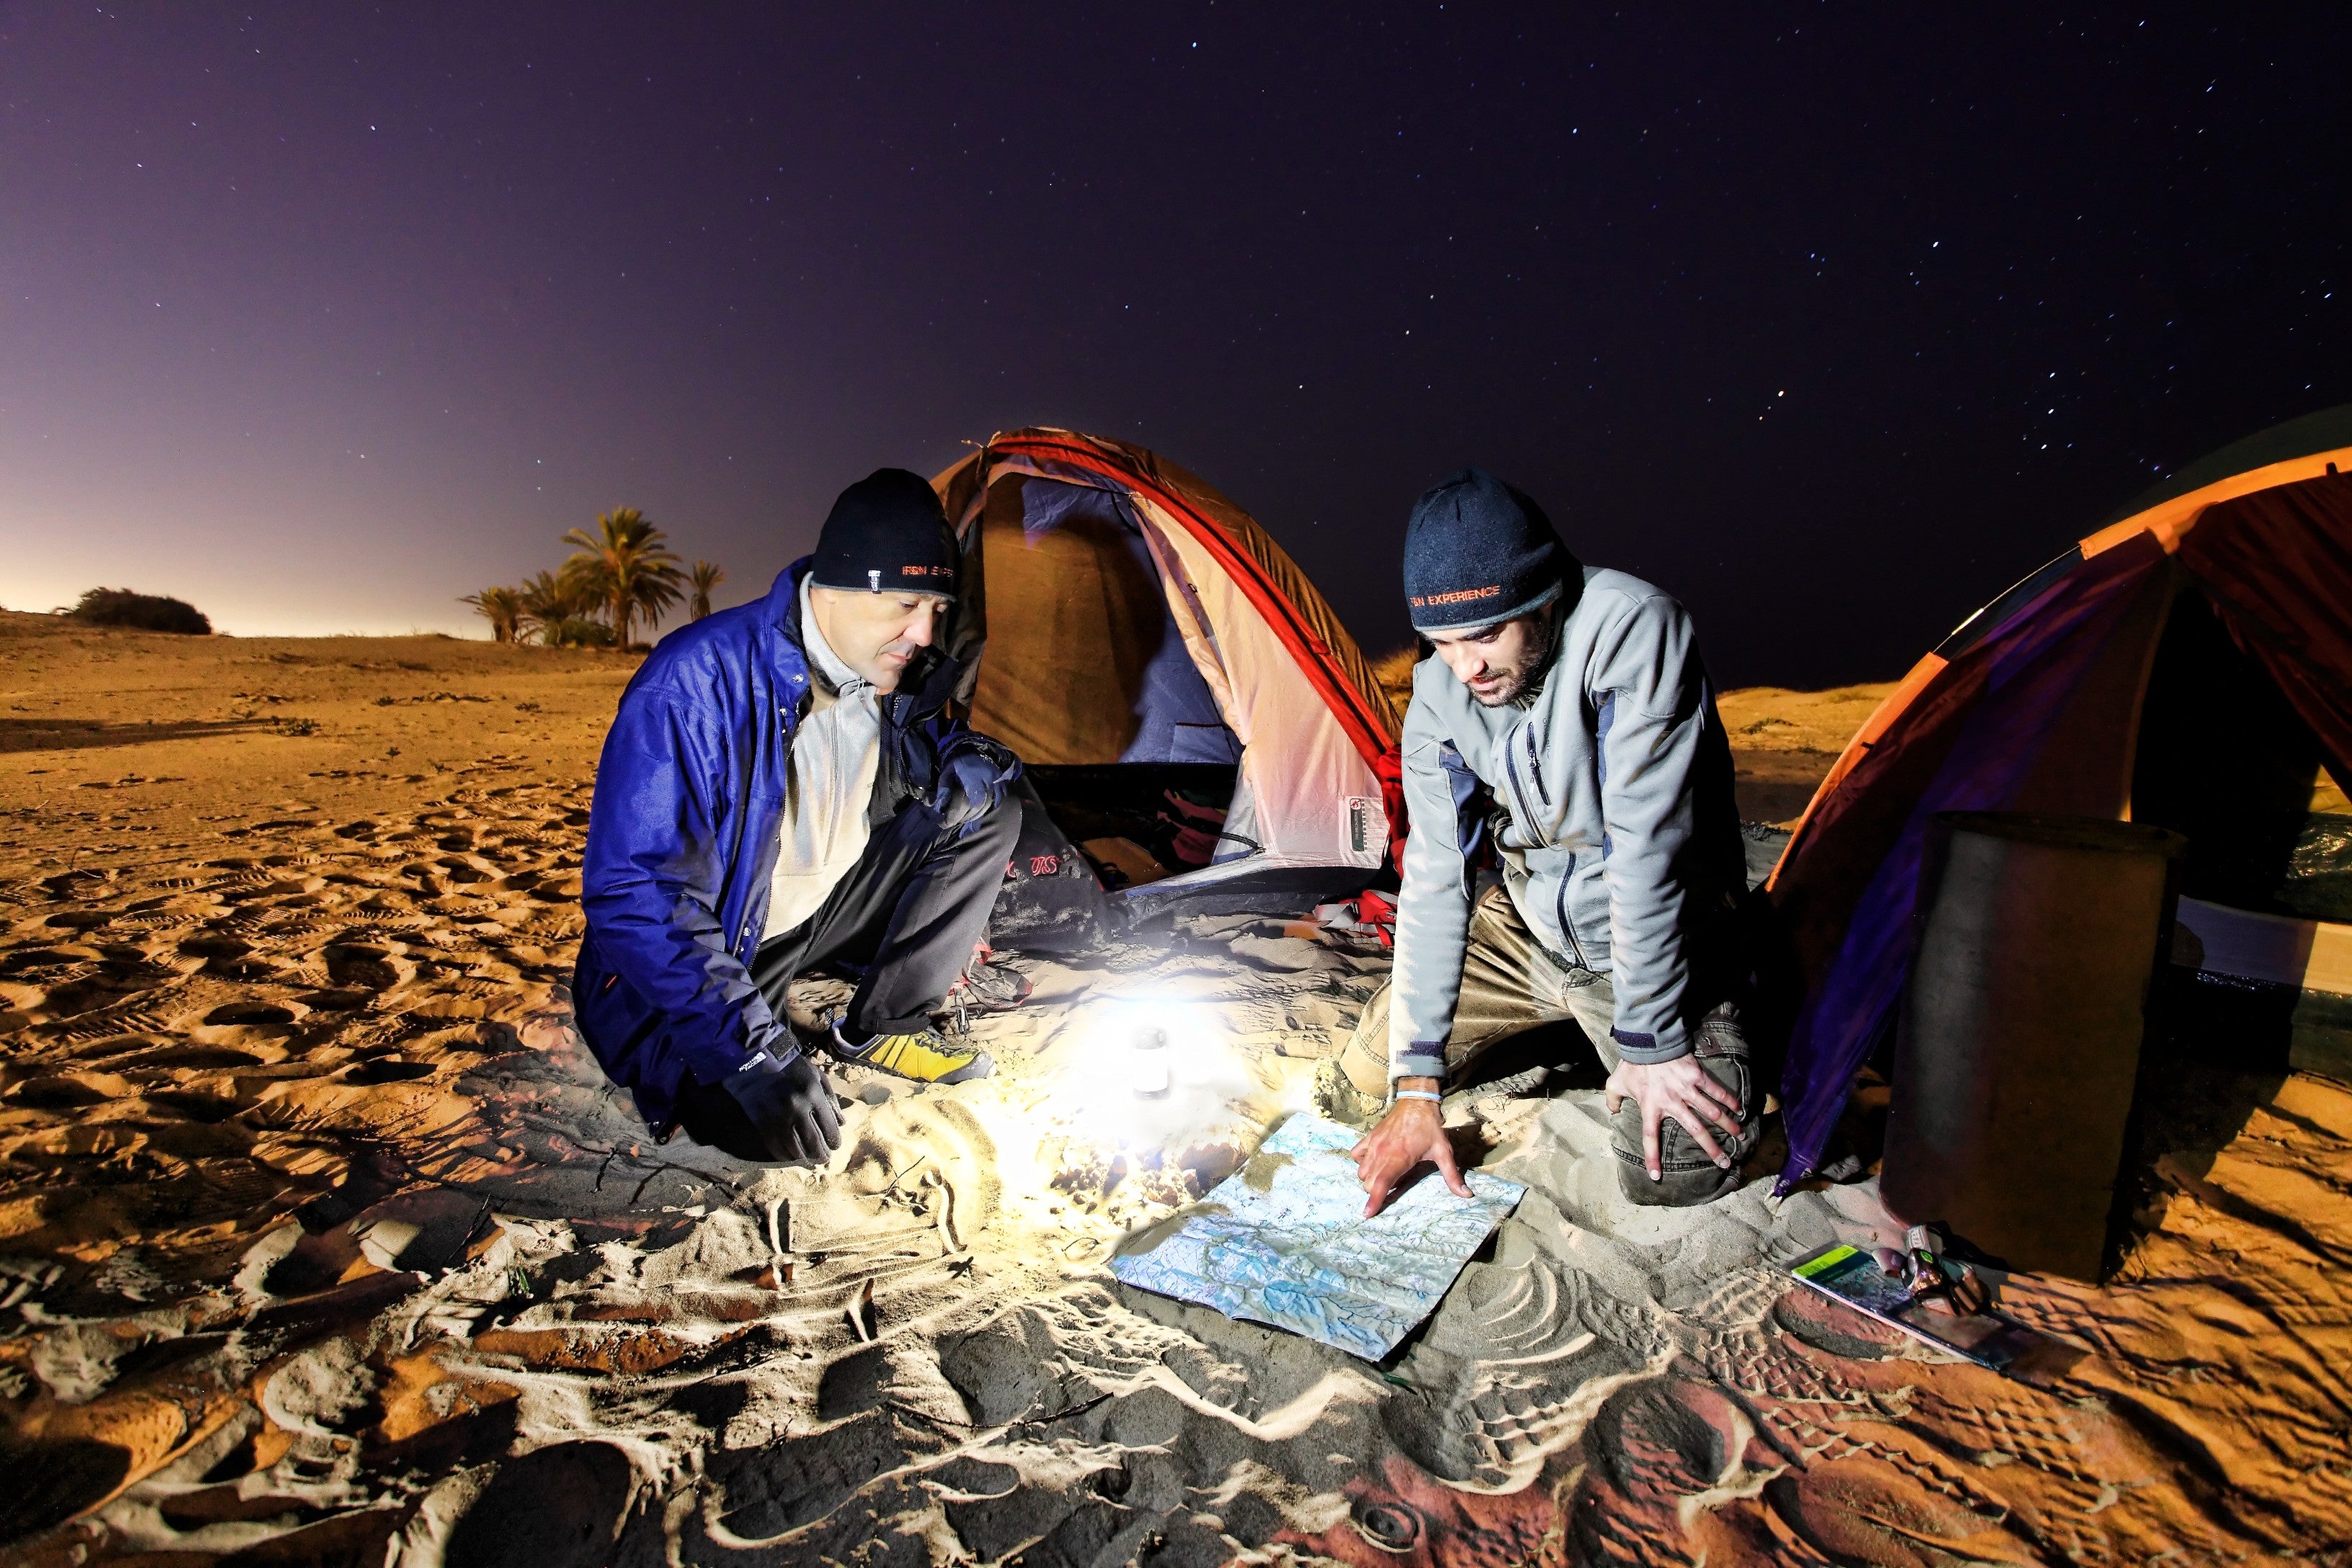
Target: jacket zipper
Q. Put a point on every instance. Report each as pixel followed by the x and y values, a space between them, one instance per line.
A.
pixel 1519 798
pixel 1519 795
pixel 1567 926
pixel 743 955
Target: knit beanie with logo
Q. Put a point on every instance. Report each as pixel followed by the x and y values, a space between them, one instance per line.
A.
pixel 888 534
pixel 1477 551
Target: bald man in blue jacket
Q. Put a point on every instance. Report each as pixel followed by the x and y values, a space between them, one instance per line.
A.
pixel 782 786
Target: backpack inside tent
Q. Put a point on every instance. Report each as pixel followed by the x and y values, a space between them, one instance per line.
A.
pixel 1192 712
pixel 2189 665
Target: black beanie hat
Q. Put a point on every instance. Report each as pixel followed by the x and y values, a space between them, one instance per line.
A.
pixel 1477 551
pixel 886 534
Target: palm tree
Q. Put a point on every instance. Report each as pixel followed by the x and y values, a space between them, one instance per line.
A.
pixel 502 607
pixel 704 577
pixel 555 606
pixel 634 570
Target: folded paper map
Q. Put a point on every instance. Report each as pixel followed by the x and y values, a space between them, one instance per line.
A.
pixel 1284 1240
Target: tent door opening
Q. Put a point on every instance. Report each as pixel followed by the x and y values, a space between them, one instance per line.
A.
pixel 1086 665
pixel 2224 759
pixel 1090 679
pixel 1143 822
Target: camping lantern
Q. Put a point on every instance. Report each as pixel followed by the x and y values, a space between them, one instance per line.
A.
pixel 1148 1062
pixel 1143 1072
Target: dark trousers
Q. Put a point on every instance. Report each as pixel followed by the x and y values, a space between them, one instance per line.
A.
pixel 910 912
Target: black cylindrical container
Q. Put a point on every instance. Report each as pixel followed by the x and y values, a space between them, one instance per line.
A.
pixel 2037 943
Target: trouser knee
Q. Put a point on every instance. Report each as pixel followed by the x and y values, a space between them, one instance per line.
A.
pixel 996 831
pixel 1365 1057
pixel 1686 1175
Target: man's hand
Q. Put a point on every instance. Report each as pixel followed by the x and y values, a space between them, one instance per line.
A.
pixel 1680 1089
pixel 969 784
pixel 792 1107
pixel 1411 1134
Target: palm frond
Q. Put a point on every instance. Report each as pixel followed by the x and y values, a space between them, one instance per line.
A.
pixel 502 607
pixel 705 576
pixel 627 567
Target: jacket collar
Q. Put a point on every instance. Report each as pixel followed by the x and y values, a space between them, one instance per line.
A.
pixel 824 662
pixel 782 608
pixel 924 690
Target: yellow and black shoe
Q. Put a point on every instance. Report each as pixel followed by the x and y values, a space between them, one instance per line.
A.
pixel 923 1055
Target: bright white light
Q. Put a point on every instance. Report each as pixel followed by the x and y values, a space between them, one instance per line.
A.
pixel 1147 1062
pixel 1140 1072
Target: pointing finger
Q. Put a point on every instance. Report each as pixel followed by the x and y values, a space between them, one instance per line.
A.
pixel 1450 1170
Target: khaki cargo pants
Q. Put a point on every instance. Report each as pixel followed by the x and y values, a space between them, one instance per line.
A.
pixel 1510 983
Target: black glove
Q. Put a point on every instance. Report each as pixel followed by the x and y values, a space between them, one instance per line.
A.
pixel 791 1105
pixel 973 776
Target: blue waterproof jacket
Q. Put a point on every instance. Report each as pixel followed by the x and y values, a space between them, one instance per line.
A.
pixel 682 840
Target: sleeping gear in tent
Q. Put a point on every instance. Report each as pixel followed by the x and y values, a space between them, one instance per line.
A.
pixel 1050 902
pixel 2188 666
pixel 1183 698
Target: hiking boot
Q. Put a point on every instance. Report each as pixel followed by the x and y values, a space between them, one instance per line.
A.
pixel 815 1004
pixel 1340 1100
pixel 922 1056
pixel 985 986
pixel 1532 1083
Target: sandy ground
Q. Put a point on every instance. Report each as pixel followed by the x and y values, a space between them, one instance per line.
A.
pixel 322 1241
pixel 1783 742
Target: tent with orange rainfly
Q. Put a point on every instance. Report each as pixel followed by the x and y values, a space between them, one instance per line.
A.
pixel 2190 665
pixel 1192 710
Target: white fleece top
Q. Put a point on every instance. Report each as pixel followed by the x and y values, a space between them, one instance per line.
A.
pixel 829 782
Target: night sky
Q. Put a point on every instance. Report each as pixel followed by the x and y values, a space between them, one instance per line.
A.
pixel 1835 319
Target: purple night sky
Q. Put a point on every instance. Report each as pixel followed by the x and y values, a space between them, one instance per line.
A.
pixel 1832 320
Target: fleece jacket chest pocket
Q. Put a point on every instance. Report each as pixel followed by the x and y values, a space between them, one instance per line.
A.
pixel 1540 803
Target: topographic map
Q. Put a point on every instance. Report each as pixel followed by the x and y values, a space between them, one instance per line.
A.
pixel 1284 1240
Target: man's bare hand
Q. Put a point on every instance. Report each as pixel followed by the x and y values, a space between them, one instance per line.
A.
pixel 1680 1089
pixel 1412 1134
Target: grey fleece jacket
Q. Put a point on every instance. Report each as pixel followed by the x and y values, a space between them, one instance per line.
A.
pixel 1621 848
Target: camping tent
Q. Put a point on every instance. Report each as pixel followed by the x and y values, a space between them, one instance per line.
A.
pixel 1126 628
pixel 2189 665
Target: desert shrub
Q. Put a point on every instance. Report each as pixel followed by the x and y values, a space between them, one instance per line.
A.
pixel 577 631
pixel 141 611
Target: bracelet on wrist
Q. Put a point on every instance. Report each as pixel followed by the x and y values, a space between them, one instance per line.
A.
pixel 1428 1094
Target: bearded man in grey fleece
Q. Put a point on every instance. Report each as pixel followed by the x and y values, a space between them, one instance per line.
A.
pixel 1564 719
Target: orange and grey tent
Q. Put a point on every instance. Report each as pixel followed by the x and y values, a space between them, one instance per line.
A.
pixel 2189 665
pixel 1121 616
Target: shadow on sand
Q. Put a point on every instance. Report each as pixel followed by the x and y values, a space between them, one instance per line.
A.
pixel 78 734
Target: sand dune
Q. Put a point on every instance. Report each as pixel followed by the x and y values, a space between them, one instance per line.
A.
pixel 1783 741
pixel 322 1240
